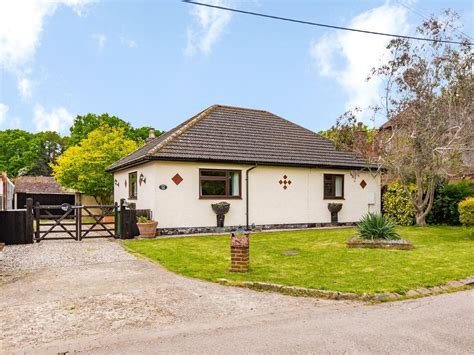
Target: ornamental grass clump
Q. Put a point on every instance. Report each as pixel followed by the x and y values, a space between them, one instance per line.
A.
pixel 373 226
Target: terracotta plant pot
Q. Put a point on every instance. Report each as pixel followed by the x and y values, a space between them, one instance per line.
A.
pixel 108 219
pixel 147 230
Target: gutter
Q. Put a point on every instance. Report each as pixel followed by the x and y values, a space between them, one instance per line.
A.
pixel 247 193
pixel 245 162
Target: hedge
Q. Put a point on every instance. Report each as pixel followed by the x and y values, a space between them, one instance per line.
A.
pixel 466 211
pixel 447 197
pixel 397 205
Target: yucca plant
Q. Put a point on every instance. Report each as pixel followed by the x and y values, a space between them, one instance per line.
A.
pixel 374 226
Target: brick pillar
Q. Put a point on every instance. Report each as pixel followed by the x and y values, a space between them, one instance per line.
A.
pixel 239 253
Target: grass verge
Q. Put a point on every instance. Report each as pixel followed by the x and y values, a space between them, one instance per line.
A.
pixel 323 261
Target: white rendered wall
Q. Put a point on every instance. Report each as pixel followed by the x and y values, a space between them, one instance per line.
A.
pixel 302 202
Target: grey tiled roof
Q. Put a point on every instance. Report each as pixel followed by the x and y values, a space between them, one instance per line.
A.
pixel 241 135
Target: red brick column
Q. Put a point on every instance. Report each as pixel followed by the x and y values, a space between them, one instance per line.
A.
pixel 239 253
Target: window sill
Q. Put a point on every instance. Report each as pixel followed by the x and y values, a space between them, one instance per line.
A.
pixel 133 198
pixel 220 197
pixel 333 198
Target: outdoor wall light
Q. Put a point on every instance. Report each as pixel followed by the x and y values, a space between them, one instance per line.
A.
pixel 142 179
pixel 116 183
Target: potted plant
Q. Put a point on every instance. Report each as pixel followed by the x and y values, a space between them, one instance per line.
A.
pixel 109 218
pixel 146 226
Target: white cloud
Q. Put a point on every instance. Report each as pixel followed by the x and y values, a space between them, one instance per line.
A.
pixel 58 119
pixel 348 56
pixel 21 24
pixel 130 43
pixel 25 87
pixel 100 39
pixel 3 112
pixel 209 27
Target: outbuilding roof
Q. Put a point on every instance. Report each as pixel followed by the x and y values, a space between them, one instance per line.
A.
pixel 241 135
pixel 39 185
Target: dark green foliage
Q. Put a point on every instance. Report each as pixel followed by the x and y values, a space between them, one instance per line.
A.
pixel 445 206
pixel 24 153
pixel 344 131
pixel 374 226
pixel 83 125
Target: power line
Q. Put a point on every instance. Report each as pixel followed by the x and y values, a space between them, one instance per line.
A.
pixel 321 24
pixel 412 9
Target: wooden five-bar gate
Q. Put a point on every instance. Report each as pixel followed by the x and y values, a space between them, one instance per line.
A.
pixel 38 222
pixel 76 222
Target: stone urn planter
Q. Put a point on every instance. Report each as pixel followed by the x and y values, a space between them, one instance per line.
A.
pixel 146 227
pixel 220 209
pixel 334 208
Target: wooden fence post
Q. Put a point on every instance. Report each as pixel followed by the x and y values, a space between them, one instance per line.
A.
pixel 37 220
pixel 79 223
pixel 122 218
pixel 117 220
pixel 29 221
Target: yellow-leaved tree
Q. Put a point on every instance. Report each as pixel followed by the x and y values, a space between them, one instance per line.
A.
pixel 82 167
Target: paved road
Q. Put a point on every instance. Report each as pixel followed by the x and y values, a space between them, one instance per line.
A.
pixel 126 305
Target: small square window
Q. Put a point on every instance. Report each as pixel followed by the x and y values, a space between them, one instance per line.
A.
pixel 333 186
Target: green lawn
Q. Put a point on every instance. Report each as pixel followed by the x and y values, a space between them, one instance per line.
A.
pixel 441 254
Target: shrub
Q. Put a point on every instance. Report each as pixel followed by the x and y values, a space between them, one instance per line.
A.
pixel 466 211
pixel 143 219
pixel 374 226
pixel 445 206
pixel 397 205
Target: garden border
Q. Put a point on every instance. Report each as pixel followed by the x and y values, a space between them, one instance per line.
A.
pixel 452 286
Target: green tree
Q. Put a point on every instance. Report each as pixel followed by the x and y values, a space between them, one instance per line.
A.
pixel 17 151
pixel 82 167
pixel 428 97
pixel 50 145
pixel 24 153
pixel 83 125
pixel 344 132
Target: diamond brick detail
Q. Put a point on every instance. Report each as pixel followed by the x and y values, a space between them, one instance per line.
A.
pixel 177 179
pixel 363 184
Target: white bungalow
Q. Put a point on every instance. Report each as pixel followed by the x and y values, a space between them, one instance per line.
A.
pixel 274 174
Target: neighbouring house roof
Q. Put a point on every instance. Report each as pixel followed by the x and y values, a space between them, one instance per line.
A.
pixel 39 185
pixel 241 135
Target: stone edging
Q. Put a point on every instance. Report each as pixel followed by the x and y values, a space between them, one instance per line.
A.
pixel 385 244
pixel 335 295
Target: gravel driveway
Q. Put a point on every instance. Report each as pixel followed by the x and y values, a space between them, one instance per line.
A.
pixel 59 290
pixel 93 297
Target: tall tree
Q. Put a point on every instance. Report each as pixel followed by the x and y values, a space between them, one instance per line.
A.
pixel 83 125
pixel 18 150
pixel 346 134
pixel 24 153
pixel 50 146
pixel 429 87
pixel 82 167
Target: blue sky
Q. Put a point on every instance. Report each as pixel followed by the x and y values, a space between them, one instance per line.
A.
pixel 159 62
